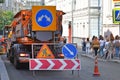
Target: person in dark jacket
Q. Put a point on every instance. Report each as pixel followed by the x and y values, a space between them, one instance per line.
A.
pixel 83 45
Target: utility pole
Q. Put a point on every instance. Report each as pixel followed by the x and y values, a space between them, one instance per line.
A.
pixel 98 18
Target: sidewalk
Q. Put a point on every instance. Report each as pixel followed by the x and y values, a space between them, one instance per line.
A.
pixel 90 55
pixel 3 71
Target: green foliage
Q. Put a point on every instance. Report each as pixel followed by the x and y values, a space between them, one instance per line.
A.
pixel 2 1
pixel 5 18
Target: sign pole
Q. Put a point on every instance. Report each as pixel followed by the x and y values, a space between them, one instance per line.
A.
pixel 33 72
pixel 119 28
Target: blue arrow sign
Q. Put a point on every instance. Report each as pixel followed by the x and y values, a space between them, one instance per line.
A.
pixel 69 50
pixel 44 18
pixel 117 15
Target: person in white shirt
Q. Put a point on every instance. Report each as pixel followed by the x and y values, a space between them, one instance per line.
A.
pixel 102 45
pixel 106 48
pixel 88 46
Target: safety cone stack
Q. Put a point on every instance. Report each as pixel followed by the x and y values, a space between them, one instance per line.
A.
pixel 96 70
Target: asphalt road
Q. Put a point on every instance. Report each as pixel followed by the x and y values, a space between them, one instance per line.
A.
pixel 108 71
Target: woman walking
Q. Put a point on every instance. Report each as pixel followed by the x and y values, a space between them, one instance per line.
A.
pixel 95 45
pixel 110 47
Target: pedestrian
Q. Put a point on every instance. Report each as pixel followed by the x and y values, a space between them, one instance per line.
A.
pixel 83 45
pixel 61 42
pixel 117 46
pixel 88 46
pixel 60 45
pixel 65 40
pixel 93 38
pixel 106 48
pixel 110 47
pixel 102 45
pixel 95 45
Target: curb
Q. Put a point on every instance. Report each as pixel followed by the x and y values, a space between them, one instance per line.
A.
pixel 3 71
pixel 89 56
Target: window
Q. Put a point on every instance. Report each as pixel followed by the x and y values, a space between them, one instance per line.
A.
pixel 94 3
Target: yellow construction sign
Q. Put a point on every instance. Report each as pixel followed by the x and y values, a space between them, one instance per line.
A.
pixel 45 52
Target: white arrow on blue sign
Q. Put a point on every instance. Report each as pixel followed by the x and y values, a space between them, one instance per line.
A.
pixel 117 15
pixel 69 50
pixel 44 18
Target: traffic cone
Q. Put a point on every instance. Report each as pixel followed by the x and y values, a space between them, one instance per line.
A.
pixel 96 70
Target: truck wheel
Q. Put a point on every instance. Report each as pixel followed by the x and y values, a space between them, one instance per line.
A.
pixel 8 57
pixel 16 63
pixel 8 54
pixel 11 60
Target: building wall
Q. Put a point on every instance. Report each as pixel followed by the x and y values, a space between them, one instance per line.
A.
pixel 107 12
pixel 85 17
pixel 11 5
pixel 50 2
pixel 29 3
pixel 108 24
pixel 17 5
pixel 6 5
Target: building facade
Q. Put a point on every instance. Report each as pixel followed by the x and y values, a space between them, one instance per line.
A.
pixel 27 4
pixel 84 14
pixel 108 25
pixel 87 17
pixel 11 5
pixel 17 5
pixel 6 5
pixel 90 17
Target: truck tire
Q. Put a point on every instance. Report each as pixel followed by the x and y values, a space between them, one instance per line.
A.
pixel 16 63
pixel 11 59
pixel 8 54
pixel 8 57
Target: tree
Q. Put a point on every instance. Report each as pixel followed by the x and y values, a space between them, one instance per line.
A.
pixel 5 18
pixel 2 1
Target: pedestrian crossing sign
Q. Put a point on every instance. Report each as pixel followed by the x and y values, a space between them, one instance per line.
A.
pixel 116 15
pixel 45 52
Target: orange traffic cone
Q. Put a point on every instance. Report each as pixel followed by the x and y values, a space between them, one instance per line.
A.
pixel 96 70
